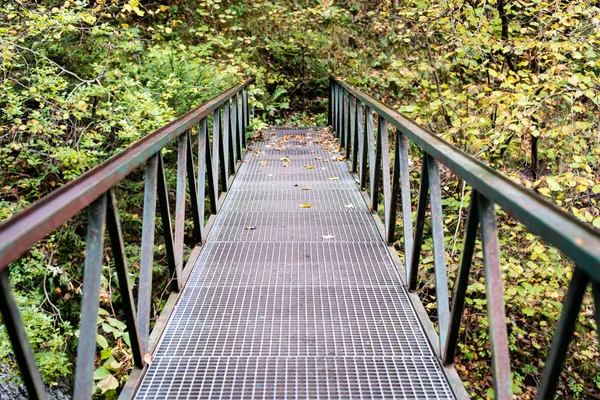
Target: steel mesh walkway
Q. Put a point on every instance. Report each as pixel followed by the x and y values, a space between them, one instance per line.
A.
pixel 294 303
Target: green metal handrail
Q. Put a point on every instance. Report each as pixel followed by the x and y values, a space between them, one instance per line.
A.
pixel 351 116
pixel 94 189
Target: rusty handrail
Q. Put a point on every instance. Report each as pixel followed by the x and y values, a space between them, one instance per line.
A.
pixel 24 229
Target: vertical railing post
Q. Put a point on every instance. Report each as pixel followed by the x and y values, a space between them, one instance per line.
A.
pixel 402 143
pixel 203 163
pixel 348 123
pixel 165 216
pixel 384 151
pixel 495 301
pixel 363 147
pixel 236 130
pixel 338 110
pixel 182 153
pixel 356 134
pixel 230 137
pixel 563 333
pixel 18 338
pixel 439 254
pixel 462 279
pixel 343 119
pixel 215 150
pixel 329 103
pixel 415 257
pixel 195 204
pixel 115 234
pixel 92 272
pixel 376 167
pixel 147 252
pixel 391 226
pixel 370 143
pixel 223 148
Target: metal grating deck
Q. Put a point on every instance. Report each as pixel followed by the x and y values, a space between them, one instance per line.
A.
pixel 284 310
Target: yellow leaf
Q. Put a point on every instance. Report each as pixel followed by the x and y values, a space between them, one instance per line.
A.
pixel 305 205
pixel 309 166
pixel 333 178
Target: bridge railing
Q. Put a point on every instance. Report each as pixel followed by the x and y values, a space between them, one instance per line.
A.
pixel 351 114
pixel 94 189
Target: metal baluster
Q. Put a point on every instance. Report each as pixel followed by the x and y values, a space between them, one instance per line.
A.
pixel 224 148
pixel 462 279
pixel 191 175
pixel 18 338
pixel 240 118
pixel 94 254
pixel 419 224
pixel 348 125
pixel 236 129
pixel 383 142
pixel 352 128
pixel 338 111
pixel 370 139
pixel 182 153
pixel 391 224
pixel 204 166
pixel 329 103
pixel 376 167
pixel 439 254
pixel 495 301
pixel 356 106
pixel 402 143
pixel 115 234
pixel 147 252
pixel 165 215
pixel 230 137
pixel 564 332
pixel 215 151
pixel 362 143
pixel 246 110
pixel 343 120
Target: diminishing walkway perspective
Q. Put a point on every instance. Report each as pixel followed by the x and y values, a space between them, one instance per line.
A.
pixel 294 295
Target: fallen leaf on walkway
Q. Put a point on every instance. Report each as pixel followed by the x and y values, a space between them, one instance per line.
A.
pixel 250 228
pixel 309 166
pixel 334 178
pixel 305 205
pixel 147 358
pixel 349 206
pixel 265 162
pixel 327 237
pixel 305 188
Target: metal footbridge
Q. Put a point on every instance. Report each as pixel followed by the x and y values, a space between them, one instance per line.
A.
pixel 292 288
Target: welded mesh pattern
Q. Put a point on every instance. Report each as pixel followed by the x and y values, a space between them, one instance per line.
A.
pixel 293 303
